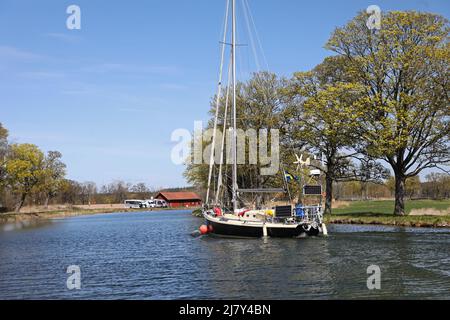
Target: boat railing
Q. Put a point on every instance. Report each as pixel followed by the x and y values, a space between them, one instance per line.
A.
pixel 309 214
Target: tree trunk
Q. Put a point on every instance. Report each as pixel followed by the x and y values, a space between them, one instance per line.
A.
pixel 329 194
pixel 400 182
pixel 21 202
pixel 300 197
pixel 47 199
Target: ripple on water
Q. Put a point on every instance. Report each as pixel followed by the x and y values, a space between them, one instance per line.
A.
pixel 153 256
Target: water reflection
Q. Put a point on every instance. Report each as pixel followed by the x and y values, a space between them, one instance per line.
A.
pixel 24 225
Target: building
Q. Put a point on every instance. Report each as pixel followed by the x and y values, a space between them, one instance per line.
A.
pixel 180 199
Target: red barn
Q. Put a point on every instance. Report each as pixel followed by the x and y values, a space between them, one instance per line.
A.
pixel 180 199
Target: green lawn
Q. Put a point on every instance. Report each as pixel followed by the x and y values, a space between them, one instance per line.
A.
pixel 377 208
pixel 381 212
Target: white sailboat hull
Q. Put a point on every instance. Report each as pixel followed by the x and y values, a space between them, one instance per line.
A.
pixel 236 227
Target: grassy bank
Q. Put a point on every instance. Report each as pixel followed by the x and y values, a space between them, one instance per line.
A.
pixel 420 213
pixel 64 213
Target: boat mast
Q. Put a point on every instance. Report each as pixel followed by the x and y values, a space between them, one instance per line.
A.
pixel 218 96
pixel 234 144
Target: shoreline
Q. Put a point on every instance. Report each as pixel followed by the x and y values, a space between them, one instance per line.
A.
pixel 415 221
pixel 437 222
pixel 7 218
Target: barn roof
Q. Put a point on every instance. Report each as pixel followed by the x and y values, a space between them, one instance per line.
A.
pixel 173 196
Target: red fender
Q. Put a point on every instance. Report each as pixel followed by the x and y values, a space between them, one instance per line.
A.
pixel 218 211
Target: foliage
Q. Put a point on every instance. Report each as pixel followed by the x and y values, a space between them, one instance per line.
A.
pixel 404 69
pixel 118 190
pixel 24 170
pixel 437 186
pixel 261 104
pixel 329 123
pixel 3 140
pixel 54 171
pixel 412 187
pixel 140 188
pixel 3 152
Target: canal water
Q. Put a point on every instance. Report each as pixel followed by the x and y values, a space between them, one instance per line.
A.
pixel 153 256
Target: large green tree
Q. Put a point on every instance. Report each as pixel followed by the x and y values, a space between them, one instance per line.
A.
pixel 404 68
pixel 330 110
pixel 24 171
pixel 54 171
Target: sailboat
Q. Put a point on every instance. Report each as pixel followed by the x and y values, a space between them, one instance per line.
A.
pixel 285 221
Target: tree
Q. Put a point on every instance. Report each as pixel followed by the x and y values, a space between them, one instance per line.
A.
pixel 54 171
pixel 390 184
pixel 140 188
pixel 88 189
pixel 70 192
pixel 3 153
pixel 24 170
pixel 329 119
pixel 437 186
pixel 261 104
pixel 370 171
pixel 412 187
pixel 3 150
pixel 404 69
pixel 3 141
pixel 119 191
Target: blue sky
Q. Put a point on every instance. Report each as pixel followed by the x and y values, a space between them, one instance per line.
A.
pixel 108 96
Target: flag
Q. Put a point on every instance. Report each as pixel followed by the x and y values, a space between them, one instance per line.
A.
pixel 289 177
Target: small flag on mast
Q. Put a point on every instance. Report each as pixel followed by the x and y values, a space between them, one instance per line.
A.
pixel 289 177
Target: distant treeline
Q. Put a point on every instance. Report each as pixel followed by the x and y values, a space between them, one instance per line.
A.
pixel 436 186
pixel 76 193
pixel 28 176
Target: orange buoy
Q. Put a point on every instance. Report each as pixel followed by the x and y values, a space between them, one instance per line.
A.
pixel 203 229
